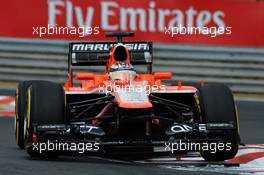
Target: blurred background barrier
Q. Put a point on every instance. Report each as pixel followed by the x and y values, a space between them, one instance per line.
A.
pixel 240 68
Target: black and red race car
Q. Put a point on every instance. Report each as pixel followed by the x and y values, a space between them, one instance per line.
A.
pixel 122 110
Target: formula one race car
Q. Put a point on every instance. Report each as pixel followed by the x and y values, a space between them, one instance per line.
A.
pixel 123 111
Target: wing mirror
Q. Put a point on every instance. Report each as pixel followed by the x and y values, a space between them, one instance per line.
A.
pixel 163 76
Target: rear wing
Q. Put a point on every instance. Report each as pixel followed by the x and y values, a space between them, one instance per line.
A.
pixel 98 53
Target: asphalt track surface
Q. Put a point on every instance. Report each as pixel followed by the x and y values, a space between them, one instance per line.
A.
pixel 15 161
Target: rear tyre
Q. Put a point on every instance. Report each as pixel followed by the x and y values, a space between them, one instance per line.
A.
pixel 21 101
pixel 45 105
pixel 218 106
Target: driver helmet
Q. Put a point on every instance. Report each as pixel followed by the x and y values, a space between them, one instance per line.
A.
pixel 122 71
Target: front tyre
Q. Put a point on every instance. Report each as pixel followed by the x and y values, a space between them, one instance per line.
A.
pixel 21 107
pixel 45 105
pixel 218 106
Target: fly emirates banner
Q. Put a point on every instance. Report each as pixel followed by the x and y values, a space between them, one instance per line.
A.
pixel 196 22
